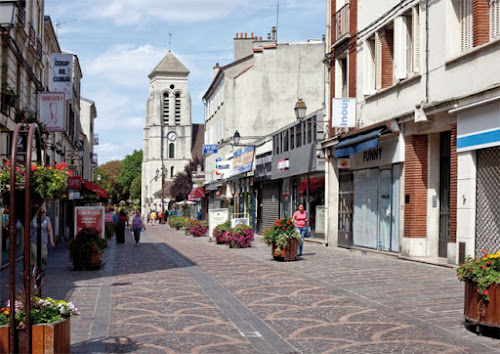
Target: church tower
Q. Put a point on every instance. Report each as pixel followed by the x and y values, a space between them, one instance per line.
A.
pixel 169 108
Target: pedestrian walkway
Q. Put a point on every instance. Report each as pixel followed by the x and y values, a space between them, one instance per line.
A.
pixel 176 293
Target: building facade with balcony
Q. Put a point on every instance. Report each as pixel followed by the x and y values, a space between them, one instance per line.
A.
pixel 418 166
pixel 88 114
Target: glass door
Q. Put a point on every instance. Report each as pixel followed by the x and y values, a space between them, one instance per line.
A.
pixel 365 208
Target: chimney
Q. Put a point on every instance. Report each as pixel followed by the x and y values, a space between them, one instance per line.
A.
pixel 268 36
pixel 236 35
pixel 251 35
pixel 216 69
pixel 273 31
pixel 243 46
pixel 245 35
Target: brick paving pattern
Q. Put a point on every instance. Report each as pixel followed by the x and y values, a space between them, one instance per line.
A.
pixel 179 294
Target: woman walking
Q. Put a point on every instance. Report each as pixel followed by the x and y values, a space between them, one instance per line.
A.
pixel 120 227
pixel 300 221
pixel 137 226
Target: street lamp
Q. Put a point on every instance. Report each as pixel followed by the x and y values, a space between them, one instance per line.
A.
pixel 7 13
pixel 300 109
pixel 236 137
pixel 157 174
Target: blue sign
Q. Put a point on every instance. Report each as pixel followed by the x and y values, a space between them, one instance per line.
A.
pixel 243 160
pixel 210 149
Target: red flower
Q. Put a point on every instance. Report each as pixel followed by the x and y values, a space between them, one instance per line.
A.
pixel 489 262
pixel 70 173
pixel 470 269
pixel 7 163
pixel 485 292
pixel 484 267
pixel 33 167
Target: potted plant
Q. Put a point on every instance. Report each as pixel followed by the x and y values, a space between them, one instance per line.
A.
pixel 284 239
pixel 198 228
pixel 47 182
pixel 85 249
pixel 241 237
pixel 186 225
pixel 51 325
pixel 9 97
pixel 482 290
pixel 222 233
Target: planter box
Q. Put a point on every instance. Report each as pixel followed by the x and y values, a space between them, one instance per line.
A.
pixel 479 311
pixel 289 253
pixel 46 338
pixel 87 261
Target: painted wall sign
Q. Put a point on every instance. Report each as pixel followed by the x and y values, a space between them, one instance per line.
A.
pixel 243 160
pixel 343 112
pixel 62 74
pixel 52 110
pixel 90 217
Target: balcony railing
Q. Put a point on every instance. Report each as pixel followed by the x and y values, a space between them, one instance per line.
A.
pixel 21 16
pixel 96 139
pixel 341 30
pixel 39 51
pixel 94 159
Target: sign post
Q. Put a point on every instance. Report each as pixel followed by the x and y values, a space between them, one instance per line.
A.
pixel 216 217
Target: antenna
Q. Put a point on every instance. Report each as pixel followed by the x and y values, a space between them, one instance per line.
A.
pixel 59 24
pixel 169 40
pixel 277 18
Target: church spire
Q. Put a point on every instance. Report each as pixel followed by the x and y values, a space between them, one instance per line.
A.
pixel 169 66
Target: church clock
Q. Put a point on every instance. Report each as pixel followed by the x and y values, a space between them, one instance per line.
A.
pixel 172 136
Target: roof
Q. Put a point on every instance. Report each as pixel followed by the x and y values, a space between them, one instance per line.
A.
pixel 169 65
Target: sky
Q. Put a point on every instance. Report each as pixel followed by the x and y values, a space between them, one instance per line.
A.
pixel 119 42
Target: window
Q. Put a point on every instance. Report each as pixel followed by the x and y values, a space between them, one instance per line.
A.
pixel 298 135
pixel 285 140
pixel 171 151
pixel 172 172
pixel 166 108
pixel 465 16
pixel 341 77
pixel 178 108
pixel 292 138
pixel 494 19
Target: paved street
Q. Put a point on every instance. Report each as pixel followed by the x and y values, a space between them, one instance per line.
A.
pixel 174 293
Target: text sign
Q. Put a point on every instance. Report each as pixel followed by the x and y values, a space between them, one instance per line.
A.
pixel 51 110
pixel 343 113
pixel 75 182
pixel 210 149
pixel 216 217
pixel 243 160
pixel 62 74
pixel 240 221
pixel 90 217
pixel 198 176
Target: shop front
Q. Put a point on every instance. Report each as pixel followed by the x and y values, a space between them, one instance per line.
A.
pixel 370 191
pixel 266 193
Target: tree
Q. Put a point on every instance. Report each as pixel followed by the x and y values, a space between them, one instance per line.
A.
pixel 109 179
pixel 131 170
pixel 183 182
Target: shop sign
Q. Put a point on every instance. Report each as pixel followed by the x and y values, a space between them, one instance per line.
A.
pixel 283 165
pixel 216 217
pixel 263 166
pixel 344 163
pixel 198 176
pixel 90 217
pixel 51 110
pixel 75 182
pixel 74 195
pixel 210 149
pixel 344 113
pixel 478 128
pixel 243 160
pixel 386 153
pixel 62 74
pixel 240 221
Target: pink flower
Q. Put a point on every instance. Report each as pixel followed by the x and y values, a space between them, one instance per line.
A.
pixel 484 267
pixel 485 292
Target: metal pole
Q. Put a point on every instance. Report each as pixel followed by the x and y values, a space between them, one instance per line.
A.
pixel 162 195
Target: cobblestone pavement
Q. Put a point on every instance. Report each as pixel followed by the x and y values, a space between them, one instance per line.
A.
pixel 175 293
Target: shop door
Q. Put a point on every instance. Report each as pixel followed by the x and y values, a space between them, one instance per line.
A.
pixel 384 210
pixel 487 195
pixel 270 204
pixel 365 220
pixel 444 193
pixel 345 209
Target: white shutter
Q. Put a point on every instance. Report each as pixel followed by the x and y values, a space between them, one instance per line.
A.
pixel 494 18
pixel 401 38
pixel 369 72
pixel 465 24
pixel 416 39
pixel 378 61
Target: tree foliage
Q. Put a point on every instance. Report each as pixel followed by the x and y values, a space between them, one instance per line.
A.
pixel 183 182
pixel 130 175
pixel 109 179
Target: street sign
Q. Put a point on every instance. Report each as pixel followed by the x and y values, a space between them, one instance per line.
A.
pixel 198 176
pixel 210 149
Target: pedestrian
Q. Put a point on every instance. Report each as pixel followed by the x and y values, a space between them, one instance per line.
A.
pixel 148 217
pixel 198 216
pixel 153 217
pixel 300 221
pixel 121 224
pixel 115 220
pixel 137 226
pixel 47 238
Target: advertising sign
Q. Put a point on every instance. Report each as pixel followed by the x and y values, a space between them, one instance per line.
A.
pixel 283 164
pixel 62 74
pixel 51 110
pixel 75 182
pixel 243 160
pixel 240 221
pixel 343 113
pixel 90 217
pixel 344 163
pixel 210 149
pixel 215 218
pixel 263 166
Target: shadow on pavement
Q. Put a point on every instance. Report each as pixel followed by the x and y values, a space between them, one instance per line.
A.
pixel 109 345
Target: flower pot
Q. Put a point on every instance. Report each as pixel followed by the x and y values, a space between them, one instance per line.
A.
pixel 479 311
pixel 87 261
pixel 46 338
pixel 289 253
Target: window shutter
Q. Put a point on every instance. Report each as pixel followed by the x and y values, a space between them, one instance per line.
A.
pixel 494 18
pixel 369 72
pixel 378 61
pixel 416 39
pixel 402 41
pixel 166 108
pixel 466 24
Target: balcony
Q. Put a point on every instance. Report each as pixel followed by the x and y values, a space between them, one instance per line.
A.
pixel 96 139
pixel 94 159
pixel 21 16
pixel 340 22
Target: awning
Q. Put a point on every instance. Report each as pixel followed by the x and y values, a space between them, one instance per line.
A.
pixel 95 188
pixel 357 143
pixel 315 184
pixel 198 192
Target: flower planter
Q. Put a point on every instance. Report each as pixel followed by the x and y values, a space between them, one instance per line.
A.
pixel 46 338
pixel 289 253
pixel 87 261
pixel 479 311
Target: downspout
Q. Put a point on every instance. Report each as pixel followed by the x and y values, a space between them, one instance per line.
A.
pixel 426 51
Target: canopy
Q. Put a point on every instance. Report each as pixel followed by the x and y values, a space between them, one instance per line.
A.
pixel 315 184
pixel 198 192
pixel 357 143
pixel 95 188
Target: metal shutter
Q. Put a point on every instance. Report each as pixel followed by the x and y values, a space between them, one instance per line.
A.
pixel 270 204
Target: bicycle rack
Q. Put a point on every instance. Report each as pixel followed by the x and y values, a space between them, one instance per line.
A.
pixel 23 140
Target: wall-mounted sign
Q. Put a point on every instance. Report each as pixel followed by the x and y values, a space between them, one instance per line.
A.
pixel 210 149
pixel 343 113
pixel 75 182
pixel 198 176
pixel 90 217
pixel 62 74
pixel 387 152
pixel 263 166
pixel 243 160
pixel 283 164
pixel 344 163
pixel 52 110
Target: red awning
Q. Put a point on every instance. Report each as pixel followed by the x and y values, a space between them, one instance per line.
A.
pixel 197 193
pixel 315 184
pixel 95 188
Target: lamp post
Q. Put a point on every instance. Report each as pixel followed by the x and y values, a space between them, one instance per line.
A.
pixel 162 221
pixel 80 156
pixel 7 13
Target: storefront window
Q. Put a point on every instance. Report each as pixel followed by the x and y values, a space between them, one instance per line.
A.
pixel 286 198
